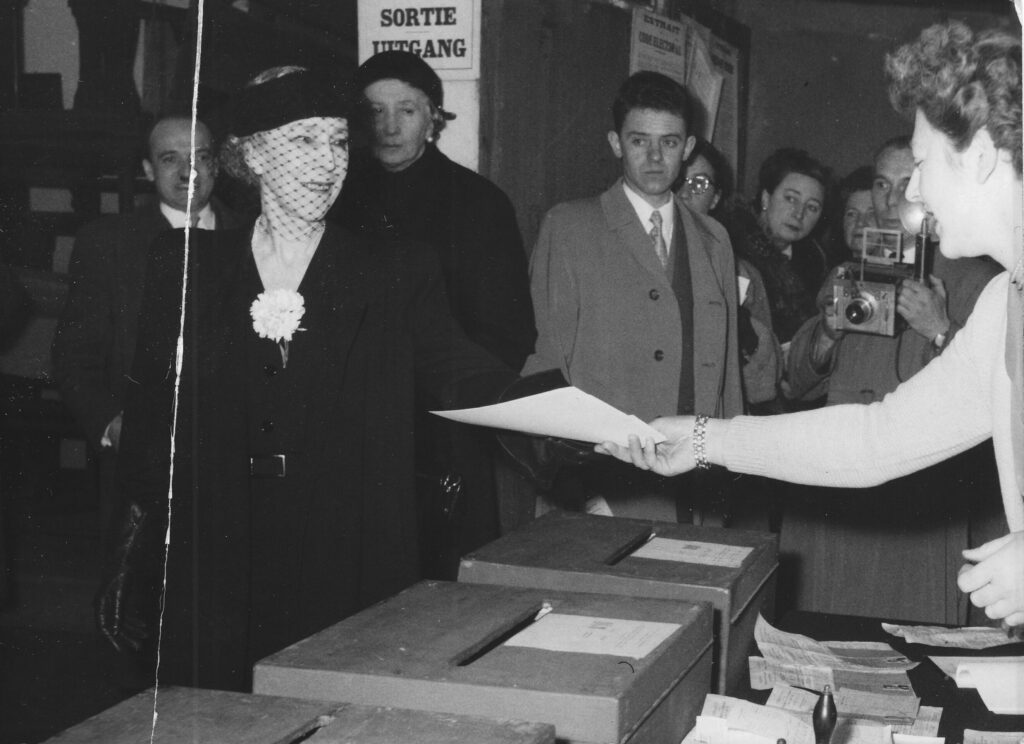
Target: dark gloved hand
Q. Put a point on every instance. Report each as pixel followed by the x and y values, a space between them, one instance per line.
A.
pixel 541 458
pixel 747 336
pixel 120 612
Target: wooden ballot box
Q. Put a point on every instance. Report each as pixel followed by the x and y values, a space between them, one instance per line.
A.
pixel 600 668
pixel 734 570
pixel 195 716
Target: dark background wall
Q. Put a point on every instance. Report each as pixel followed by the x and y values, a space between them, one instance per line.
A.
pixel 816 74
pixel 816 81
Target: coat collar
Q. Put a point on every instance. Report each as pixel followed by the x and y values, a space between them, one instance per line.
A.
pixel 621 218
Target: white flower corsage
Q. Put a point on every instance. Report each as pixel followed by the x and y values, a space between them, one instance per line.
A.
pixel 276 315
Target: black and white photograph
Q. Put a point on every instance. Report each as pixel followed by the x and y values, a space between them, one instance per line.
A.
pixel 511 372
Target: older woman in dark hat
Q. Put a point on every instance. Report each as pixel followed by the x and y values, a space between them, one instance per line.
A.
pixel 292 503
pixel 403 185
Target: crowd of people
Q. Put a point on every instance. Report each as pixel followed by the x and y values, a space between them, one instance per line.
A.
pixel 306 481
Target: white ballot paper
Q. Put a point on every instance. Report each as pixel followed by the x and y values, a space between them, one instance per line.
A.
pixel 898 738
pixel 857 731
pixel 690 551
pixel 929 635
pixel 741 715
pixel 925 726
pixel 584 634
pixel 566 412
pixel 792 699
pixel 999 681
pixel 993 737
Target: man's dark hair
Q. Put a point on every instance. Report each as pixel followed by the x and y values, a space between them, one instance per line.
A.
pixel 650 90
pixel 900 142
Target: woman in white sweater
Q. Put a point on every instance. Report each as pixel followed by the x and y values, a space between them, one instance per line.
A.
pixel 964 90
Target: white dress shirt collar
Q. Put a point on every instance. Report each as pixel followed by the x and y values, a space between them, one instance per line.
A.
pixel 178 219
pixel 643 212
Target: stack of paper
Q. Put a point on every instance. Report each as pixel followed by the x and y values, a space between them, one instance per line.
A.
pixel 894 711
pixel 931 635
pixel 799 661
pixel 726 720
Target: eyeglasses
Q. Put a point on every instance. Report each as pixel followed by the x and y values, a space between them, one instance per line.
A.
pixel 698 184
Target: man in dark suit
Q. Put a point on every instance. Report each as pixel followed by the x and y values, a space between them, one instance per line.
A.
pixel 95 338
pixel 640 313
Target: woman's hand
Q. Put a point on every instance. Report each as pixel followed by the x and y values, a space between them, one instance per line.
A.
pixel 995 578
pixel 672 457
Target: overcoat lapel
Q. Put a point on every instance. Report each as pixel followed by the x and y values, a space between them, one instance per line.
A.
pixel 710 310
pixel 630 234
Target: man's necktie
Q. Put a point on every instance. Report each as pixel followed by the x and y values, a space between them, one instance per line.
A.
pixel 659 239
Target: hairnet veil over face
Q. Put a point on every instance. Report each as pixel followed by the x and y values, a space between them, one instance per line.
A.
pixel 301 166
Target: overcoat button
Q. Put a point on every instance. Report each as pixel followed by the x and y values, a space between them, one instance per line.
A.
pixel 653 294
pixel 659 355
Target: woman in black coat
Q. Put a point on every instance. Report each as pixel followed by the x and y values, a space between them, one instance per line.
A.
pixel 402 185
pixel 293 501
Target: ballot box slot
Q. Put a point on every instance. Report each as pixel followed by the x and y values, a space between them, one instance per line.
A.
pixel 500 636
pixel 321 722
pixel 629 548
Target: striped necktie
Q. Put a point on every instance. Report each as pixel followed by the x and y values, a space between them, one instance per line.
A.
pixel 658 239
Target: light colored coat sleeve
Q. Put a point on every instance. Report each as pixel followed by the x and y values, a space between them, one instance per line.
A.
pixel 953 404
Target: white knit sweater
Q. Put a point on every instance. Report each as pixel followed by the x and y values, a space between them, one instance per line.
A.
pixel 960 399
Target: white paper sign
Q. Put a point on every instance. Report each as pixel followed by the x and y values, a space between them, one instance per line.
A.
pixel 583 634
pixel 445 34
pixel 690 551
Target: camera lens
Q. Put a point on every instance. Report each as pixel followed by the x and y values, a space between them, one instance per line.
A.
pixel 859 310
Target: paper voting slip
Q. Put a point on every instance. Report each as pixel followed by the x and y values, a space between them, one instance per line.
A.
pixel 567 412
pixel 999 681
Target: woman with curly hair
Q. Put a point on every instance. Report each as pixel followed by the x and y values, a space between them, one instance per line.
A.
pixel 964 91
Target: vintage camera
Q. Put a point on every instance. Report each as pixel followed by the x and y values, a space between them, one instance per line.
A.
pixel 865 291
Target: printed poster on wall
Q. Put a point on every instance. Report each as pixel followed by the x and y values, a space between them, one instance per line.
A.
pixel 679 49
pixel 657 43
pixel 726 60
pixel 446 35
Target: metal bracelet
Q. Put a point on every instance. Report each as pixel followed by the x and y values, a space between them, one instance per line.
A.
pixel 700 451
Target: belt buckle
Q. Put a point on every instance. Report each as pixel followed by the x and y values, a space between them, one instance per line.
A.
pixel 267 466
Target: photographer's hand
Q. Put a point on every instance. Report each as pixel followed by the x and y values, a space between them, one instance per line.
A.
pixel 924 308
pixel 995 581
pixel 826 335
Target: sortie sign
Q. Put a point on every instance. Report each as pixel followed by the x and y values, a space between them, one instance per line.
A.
pixel 445 34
